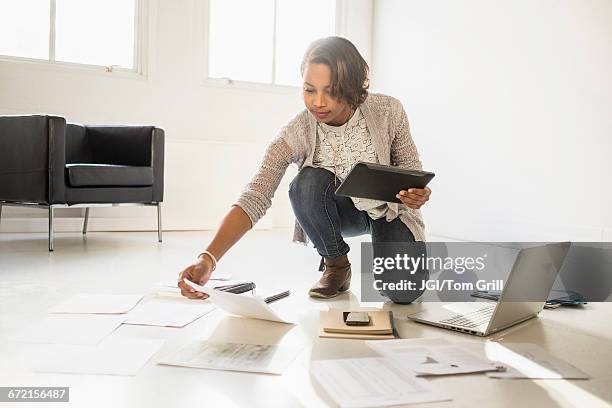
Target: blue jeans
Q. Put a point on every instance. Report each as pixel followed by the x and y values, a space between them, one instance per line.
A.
pixel 328 218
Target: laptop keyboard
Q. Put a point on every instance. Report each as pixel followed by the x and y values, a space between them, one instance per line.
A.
pixel 472 319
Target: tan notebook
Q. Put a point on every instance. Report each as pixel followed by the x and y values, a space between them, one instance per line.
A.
pixel 332 325
pixel 358 336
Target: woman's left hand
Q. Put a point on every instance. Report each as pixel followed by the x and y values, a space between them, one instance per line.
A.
pixel 414 197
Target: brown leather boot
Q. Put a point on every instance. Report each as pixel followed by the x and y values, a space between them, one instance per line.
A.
pixel 335 279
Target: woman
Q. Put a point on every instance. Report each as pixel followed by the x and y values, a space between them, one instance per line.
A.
pixel 342 124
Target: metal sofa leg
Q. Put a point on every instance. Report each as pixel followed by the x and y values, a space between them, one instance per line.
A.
pixel 50 228
pixel 0 211
pixel 159 223
pixel 85 220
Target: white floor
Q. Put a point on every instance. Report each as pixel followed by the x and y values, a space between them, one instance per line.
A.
pixel 32 280
pixel 132 262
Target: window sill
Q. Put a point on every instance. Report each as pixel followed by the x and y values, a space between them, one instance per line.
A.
pixel 63 67
pixel 226 83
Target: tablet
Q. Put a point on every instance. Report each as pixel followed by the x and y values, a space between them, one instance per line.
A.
pixel 380 182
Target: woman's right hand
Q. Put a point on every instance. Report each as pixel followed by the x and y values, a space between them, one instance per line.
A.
pixel 199 272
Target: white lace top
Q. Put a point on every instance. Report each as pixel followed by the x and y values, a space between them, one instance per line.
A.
pixel 295 142
pixel 338 148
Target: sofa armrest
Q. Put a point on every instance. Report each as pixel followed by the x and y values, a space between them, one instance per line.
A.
pixel 32 158
pixel 157 158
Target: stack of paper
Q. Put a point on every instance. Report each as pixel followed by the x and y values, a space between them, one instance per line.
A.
pixel 72 337
pixel 429 357
pixel 372 382
pixel 97 304
pixel 171 289
pixel 168 312
pixel 527 360
pixel 70 329
pixel 333 326
pixel 113 357
pixel 242 305
pixel 257 358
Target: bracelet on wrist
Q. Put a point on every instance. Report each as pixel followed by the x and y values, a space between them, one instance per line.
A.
pixel 211 256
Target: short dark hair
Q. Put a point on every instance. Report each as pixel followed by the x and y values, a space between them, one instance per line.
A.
pixel 349 70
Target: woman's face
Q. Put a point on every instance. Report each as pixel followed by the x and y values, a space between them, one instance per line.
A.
pixel 317 98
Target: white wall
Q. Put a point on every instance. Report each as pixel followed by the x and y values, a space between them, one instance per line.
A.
pixel 511 96
pixel 215 133
pixel 510 104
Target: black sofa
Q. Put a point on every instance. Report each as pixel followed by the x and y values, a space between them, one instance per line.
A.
pixel 47 163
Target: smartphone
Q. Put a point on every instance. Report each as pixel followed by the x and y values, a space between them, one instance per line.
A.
pixel 356 318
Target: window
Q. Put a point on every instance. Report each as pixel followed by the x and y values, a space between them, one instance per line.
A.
pixel 92 32
pixel 263 41
pixel 24 40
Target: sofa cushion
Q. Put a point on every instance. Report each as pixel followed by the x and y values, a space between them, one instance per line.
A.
pixel 108 175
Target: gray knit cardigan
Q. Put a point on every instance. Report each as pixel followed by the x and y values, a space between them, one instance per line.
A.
pixel 295 143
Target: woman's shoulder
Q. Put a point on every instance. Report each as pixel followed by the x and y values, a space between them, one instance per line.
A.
pixel 293 134
pixel 382 102
pixel 297 123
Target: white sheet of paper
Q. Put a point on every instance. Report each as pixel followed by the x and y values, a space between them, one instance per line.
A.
pixel 166 289
pixel 216 276
pixel 210 284
pixel 241 305
pixel 95 303
pixel 70 329
pixel 168 312
pixel 258 358
pixel 169 289
pixel 110 357
pixel 432 357
pixel 528 360
pixel 221 276
pixel 372 382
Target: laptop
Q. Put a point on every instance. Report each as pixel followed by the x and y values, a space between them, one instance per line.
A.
pixel 523 297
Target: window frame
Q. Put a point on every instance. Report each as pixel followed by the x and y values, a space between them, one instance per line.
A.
pixel 141 13
pixel 228 83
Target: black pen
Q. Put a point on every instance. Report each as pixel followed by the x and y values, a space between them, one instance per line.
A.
pixel 278 296
pixel 237 288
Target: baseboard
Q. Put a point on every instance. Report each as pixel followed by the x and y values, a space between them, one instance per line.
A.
pixel 515 231
pixel 456 231
pixel 75 224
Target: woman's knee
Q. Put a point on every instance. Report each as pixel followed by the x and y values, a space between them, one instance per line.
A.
pixel 310 183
